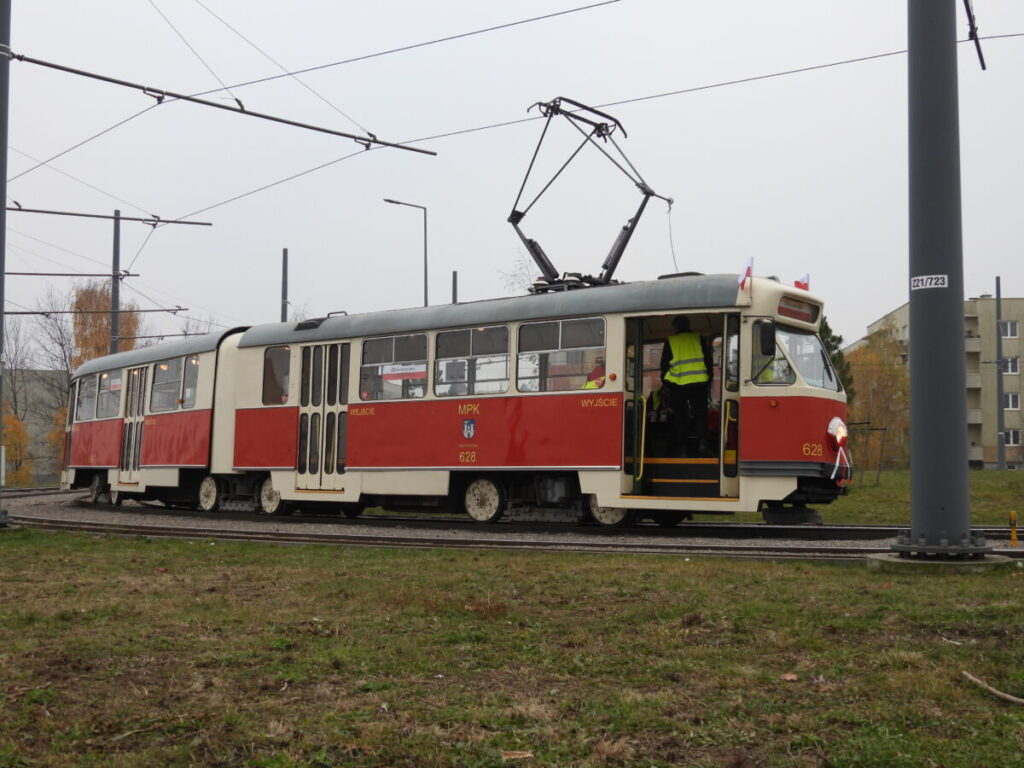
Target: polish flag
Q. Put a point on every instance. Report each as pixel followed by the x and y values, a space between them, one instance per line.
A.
pixel 804 283
pixel 747 273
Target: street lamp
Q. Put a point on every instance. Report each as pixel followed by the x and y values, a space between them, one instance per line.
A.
pixel 424 209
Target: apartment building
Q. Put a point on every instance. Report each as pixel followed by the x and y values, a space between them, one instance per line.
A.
pixel 982 371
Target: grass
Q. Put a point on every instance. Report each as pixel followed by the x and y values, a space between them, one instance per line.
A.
pixel 993 496
pixel 128 652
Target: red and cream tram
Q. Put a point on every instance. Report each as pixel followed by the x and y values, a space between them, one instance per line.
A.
pixel 485 406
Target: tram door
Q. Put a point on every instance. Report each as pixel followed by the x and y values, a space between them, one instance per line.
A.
pixel 134 422
pixel 657 461
pixel 323 417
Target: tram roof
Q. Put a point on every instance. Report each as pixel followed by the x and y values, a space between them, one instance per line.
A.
pixel 670 293
pixel 193 345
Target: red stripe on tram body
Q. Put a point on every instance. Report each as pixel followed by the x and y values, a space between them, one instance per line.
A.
pixel 565 430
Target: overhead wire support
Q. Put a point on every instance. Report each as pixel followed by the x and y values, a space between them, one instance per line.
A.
pixel 122 274
pixel 160 94
pixel 48 312
pixel 152 220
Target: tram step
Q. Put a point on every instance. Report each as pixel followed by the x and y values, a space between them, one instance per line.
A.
pixel 698 489
pixel 678 469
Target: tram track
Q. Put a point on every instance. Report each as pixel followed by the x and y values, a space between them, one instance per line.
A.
pixel 519 540
pixel 723 530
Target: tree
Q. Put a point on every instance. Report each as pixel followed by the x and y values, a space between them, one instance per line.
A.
pixel 92 326
pixel 882 405
pixel 16 362
pixel 64 342
pixel 833 345
pixel 16 443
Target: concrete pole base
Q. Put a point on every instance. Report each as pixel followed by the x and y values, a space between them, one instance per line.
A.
pixel 892 562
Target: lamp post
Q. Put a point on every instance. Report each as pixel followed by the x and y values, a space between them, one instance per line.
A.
pixel 424 209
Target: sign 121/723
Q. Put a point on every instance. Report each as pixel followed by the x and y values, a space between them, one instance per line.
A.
pixel 929 281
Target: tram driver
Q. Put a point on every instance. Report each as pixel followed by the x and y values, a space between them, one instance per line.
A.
pixel 685 366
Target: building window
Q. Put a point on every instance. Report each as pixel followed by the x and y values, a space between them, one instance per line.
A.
pixel 394 368
pixel 561 355
pixel 471 362
pixel 1012 437
pixel 109 399
pixel 1011 401
pixel 276 365
pixel 1011 365
pixel 1008 329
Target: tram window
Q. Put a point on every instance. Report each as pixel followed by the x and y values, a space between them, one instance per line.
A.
pixel 472 362
pixel 332 374
pixel 304 377
pixel 774 370
pixel 343 390
pixel 109 395
pixel 276 366
pixel 394 368
pixel 85 410
pixel 166 385
pixel 318 376
pixel 191 382
pixel 732 353
pixel 561 355
pixel 810 358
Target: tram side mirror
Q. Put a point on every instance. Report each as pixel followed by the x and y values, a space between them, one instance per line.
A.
pixel 766 333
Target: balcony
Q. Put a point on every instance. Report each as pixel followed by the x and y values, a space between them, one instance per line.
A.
pixel 972 344
pixel 974 381
pixel 975 453
pixel 974 416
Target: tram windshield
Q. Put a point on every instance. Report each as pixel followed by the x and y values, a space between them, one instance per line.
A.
pixel 807 353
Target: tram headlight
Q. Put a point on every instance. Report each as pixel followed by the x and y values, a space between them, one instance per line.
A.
pixel 837 433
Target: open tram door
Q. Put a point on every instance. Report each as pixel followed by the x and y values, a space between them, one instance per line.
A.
pixel 660 460
pixel 323 417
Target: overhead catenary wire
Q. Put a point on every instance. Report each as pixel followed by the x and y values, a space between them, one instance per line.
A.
pixel 459 36
pixel 161 93
pixel 283 68
pixel 196 53
pixel 80 181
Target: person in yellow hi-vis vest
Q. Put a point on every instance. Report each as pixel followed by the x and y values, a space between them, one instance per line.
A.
pixel 685 363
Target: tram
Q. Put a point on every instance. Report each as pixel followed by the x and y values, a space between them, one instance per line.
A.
pixel 491 407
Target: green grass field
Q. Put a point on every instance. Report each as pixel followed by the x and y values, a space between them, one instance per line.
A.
pixel 135 652
pixel 993 496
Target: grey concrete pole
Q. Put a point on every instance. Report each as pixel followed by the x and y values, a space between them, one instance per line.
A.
pixel 115 287
pixel 284 286
pixel 940 516
pixel 5 64
pixel 1000 367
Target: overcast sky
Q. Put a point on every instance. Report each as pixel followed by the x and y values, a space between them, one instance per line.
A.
pixel 805 172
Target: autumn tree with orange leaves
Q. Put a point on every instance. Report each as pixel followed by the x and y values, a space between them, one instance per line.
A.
pixel 67 341
pixel 881 411
pixel 17 449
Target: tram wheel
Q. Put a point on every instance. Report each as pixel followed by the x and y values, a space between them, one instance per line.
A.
pixel 209 494
pixel 270 500
pixel 609 517
pixel 484 500
pixel 352 511
pixel 95 490
pixel 668 519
